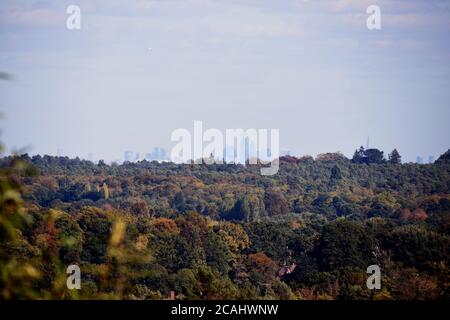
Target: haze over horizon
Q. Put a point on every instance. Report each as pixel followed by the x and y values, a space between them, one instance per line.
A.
pixel 137 70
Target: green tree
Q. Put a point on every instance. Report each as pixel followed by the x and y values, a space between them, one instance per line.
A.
pixel 179 203
pixel 275 203
pixel 249 208
pixel 358 156
pixel 343 244
pixel 373 156
pixel 335 173
pixel 444 158
pixel 394 157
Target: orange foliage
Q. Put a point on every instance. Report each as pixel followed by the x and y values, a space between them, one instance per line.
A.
pixel 165 225
pixel 261 263
pixel 419 215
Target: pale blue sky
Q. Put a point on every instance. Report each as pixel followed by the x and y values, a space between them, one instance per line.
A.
pixel 308 67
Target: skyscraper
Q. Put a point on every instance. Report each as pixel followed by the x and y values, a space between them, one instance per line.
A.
pixel 128 156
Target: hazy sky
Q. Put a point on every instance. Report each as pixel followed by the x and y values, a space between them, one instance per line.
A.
pixel 139 69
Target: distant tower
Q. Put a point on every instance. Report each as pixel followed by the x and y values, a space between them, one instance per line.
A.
pixel 162 154
pixel 253 150
pixel 127 156
pixel 235 151
pixel 246 149
pixel 368 143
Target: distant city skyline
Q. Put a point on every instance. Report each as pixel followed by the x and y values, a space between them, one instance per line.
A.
pixel 161 155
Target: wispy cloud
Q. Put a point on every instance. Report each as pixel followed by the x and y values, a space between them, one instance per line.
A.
pixel 39 17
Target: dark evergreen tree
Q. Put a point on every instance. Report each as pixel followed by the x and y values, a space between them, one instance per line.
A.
pixel 179 203
pixel 336 173
pixel 373 156
pixel 444 158
pixel 358 156
pixel 394 157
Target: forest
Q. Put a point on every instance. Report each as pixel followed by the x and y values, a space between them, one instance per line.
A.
pixel 150 230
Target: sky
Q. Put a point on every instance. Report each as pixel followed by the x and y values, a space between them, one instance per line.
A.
pixel 139 69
